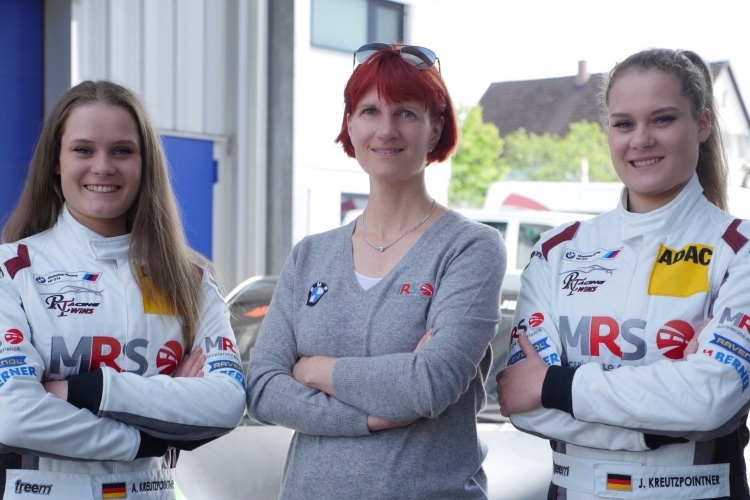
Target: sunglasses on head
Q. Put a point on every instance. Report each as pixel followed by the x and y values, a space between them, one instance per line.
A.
pixel 419 57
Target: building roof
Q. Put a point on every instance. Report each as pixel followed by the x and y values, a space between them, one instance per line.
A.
pixel 541 106
pixel 550 105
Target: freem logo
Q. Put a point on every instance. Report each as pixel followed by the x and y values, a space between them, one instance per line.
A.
pixel 37 489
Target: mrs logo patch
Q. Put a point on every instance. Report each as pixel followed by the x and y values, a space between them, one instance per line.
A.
pixel 316 292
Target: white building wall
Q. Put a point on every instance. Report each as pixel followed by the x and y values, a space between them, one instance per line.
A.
pixel 158 88
pixel 734 125
pixel 173 54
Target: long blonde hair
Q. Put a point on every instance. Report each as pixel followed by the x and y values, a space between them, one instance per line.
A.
pixel 697 86
pixel 158 244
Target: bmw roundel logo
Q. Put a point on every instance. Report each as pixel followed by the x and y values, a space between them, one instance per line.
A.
pixel 570 255
pixel 40 279
pixel 316 292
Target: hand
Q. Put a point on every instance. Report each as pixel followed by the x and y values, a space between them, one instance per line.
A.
pixel 378 424
pixel 191 366
pixel 519 387
pixel 57 388
pixel 692 346
pixel 423 341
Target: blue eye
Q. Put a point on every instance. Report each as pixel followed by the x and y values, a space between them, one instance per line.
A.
pixel 665 119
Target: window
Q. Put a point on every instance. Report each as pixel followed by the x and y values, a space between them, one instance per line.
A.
pixel 500 226
pixel 386 22
pixel 352 205
pixel 348 24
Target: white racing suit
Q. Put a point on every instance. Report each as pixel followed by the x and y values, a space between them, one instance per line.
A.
pixel 71 309
pixel 611 303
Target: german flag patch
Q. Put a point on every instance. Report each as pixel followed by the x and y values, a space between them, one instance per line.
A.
pixel 114 490
pixel 619 482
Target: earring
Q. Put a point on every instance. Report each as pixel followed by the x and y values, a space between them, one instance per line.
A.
pixel 430 150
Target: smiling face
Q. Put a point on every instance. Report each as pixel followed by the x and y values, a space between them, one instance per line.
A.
pixel 100 166
pixel 653 136
pixel 391 140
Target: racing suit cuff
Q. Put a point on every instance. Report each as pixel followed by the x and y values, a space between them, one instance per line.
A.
pixel 151 446
pixel 85 390
pixel 654 441
pixel 557 388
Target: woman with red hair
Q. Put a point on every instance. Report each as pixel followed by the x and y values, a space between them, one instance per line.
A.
pixel 381 408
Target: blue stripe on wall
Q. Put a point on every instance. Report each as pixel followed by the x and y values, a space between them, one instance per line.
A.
pixel 21 93
pixel 193 178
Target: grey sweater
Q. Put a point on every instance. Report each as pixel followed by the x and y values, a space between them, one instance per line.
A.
pixel 449 280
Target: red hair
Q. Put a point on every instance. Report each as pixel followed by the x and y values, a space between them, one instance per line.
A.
pixel 398 80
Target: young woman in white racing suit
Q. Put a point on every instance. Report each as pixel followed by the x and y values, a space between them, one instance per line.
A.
pixel 102 306
pixel 608 359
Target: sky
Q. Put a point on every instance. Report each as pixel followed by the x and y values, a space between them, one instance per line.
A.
pixel 484 41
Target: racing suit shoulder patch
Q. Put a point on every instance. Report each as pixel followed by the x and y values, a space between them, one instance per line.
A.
pixel 681 272
pixel 733 237
pixel 20 261
pixel 565 235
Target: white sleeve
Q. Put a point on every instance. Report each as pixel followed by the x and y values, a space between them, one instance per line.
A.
pixel 693 398
pixel 35 422
pixel 185 408
pixel 534 316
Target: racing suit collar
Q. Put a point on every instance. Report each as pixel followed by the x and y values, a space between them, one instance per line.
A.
pixel 660 220
pixel 98 246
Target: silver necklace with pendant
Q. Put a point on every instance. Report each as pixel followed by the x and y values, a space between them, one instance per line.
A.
pixel 389 245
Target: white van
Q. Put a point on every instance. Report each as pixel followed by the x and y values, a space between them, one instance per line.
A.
pixel 521 229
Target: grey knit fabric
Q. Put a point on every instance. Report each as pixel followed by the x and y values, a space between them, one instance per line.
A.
pixel 450 280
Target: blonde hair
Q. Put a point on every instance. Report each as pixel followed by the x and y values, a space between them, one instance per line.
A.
pixel 158 241
pixel 697 86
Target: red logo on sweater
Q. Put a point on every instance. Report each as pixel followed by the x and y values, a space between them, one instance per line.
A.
pixel 427 289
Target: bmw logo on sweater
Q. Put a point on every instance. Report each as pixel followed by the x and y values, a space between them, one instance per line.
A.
pixel 316 292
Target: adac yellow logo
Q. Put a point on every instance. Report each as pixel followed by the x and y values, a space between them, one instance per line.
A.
pixel 153 303
pixel 681 273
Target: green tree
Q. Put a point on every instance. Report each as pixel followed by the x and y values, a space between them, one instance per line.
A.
pixel 477 163
pixel 553 158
